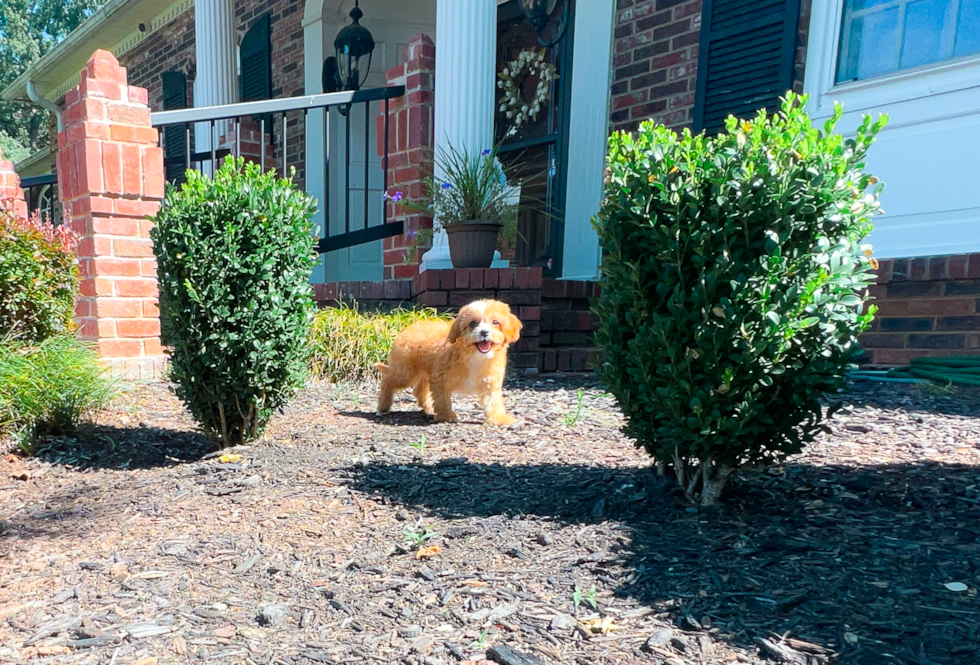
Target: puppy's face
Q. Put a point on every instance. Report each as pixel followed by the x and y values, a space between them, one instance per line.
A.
pixel 485 326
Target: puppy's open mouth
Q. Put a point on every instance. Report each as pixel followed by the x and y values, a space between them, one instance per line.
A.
pixel 484 346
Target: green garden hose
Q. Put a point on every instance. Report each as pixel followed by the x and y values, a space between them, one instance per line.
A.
pixel 963 371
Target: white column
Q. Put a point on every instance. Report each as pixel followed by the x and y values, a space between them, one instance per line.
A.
pixel 315 158
pixel 216 47
pixel 466 63
pixel 587 133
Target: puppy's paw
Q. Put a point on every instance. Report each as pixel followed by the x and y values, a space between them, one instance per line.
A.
pixel 450 417
pixel 501 420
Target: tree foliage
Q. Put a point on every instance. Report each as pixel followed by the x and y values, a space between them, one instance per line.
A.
pixel 28 30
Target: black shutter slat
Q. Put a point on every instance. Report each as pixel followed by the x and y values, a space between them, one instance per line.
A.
pixel 745 77
pixel 726 17
pixel 175 139
pixel 752 61
pixel 256 58
pixel 747 58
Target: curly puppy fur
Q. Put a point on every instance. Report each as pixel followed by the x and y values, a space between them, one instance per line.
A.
pixel 468 356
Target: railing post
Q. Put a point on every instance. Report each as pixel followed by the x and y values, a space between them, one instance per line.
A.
pixel 110 178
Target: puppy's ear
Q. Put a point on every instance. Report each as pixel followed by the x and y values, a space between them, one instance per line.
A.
pixel 456 330
pixel 512 329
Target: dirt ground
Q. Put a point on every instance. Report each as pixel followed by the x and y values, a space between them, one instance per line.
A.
pixel 551 542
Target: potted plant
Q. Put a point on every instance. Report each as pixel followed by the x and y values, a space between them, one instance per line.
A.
pixel 470 199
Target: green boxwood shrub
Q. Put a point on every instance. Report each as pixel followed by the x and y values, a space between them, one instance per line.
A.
pixel 38 278
pixel 733 286
pixel 234 260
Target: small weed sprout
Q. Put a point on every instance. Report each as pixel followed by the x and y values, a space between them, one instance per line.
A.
pixel 420 444
pixel 572 418
pixel 589 597
pixel 418 535
pixel 940 389
pixel 481 643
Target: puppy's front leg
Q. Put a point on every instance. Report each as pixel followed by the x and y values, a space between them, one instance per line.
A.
pixel 494 409
pixel 442 403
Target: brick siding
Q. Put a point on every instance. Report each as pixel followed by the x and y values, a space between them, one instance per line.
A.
pixel 171 48
pixel 926 307
pixel 655 61
pixel 168 49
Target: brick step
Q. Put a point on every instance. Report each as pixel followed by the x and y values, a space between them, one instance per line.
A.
pixel 570 359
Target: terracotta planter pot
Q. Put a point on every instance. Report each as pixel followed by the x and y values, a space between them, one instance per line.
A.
pixel 472 244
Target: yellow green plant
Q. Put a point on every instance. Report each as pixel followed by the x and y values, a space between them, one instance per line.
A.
pixel 345 344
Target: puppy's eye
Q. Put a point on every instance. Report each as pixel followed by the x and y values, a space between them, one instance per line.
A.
pixel 472 324
pixel 496 323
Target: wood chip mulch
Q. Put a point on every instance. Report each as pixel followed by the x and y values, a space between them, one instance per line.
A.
pixel 347 538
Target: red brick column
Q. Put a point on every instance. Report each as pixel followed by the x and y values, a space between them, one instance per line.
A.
pixel 410 150
pixel 110 177
pixel 11 194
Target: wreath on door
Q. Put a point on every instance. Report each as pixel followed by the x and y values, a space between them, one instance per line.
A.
pixel 530 63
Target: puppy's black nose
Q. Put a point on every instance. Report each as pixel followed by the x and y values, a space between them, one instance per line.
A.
pixel 484 333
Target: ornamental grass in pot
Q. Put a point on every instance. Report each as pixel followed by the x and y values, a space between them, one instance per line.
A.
pixel 470 198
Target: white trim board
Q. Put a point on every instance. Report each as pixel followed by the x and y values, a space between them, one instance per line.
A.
pixel 926 156
pixel 587 136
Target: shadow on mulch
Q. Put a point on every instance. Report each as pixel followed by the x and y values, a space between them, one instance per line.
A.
pixel 63 515
pixel 851 558
pixel 112 447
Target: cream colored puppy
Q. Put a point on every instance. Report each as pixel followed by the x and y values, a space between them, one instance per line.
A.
pixel 468 356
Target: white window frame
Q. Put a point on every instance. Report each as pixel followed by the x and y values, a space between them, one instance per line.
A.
pixel 934 99
pixel 903 85
pixel 902 6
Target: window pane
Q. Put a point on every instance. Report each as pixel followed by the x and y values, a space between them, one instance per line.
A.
pixel 968 28
pixel 869 48
pixel 925 33
pixel 858 5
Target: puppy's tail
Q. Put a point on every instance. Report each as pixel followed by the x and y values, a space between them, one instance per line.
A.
pixel 382 367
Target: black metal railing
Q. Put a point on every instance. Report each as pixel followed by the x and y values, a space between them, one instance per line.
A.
pixel 273 118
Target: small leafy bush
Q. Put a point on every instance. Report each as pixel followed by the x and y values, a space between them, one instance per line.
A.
pixel 234 260
pixel 38 277
pixel 345 344
pixel 50 387
pixel 733 286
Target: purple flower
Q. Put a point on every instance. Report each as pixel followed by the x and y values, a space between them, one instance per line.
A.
pixel 411 234
pixel 549 264
pixel 397 197
pixel 446 185
pixel 485 152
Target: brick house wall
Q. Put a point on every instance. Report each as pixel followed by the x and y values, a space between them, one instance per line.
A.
pixel 926 307
pixel 655 61
pixel 171 48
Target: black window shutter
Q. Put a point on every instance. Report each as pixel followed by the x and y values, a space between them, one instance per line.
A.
pixel 256 59
pixel 175 139
pixel 746 60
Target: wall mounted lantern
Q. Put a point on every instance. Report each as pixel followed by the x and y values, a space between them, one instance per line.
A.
pixel 354 46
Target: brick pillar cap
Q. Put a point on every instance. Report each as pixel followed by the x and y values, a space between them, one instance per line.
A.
pixel 102 55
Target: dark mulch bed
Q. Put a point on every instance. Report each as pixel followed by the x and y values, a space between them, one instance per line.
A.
pixel 139 546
